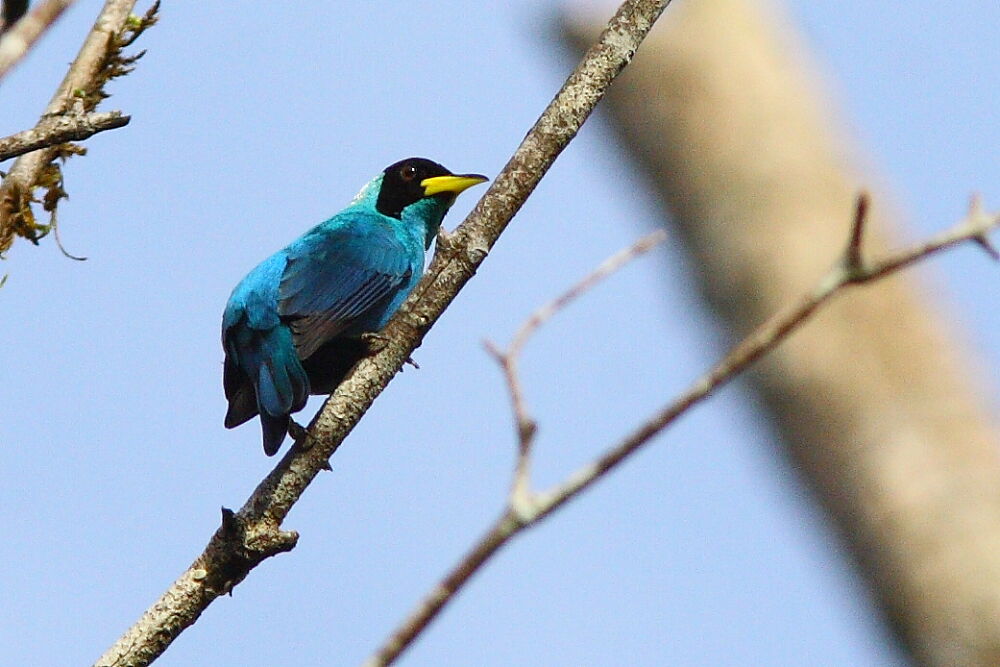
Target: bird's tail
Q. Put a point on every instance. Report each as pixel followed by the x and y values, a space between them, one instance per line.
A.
pixel 274 377
pixel 240 393
pixel 282 388
pixel 274 430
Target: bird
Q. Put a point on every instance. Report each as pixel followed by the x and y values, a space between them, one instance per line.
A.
pixel 300 320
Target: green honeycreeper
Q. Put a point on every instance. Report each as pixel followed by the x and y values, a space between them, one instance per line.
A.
pixel 294 325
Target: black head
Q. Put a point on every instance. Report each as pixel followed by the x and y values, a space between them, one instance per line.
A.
pixel 402 184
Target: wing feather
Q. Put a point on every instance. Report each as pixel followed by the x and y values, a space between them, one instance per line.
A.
pixel 337 275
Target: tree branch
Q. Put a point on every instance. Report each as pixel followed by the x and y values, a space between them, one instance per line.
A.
pixel 225 563
pixel 98 61
pixel 19 34
pixel 520 514
pixel 769 334
pixel 54 130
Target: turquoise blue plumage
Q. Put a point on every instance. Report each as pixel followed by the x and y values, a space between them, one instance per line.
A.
pixel 294 325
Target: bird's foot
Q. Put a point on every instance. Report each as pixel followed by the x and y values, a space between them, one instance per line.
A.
pixel 374 342
pixel 301 437
pixel 299 434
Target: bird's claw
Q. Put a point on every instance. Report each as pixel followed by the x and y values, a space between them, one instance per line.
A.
pixel 374 342
pixel 299 434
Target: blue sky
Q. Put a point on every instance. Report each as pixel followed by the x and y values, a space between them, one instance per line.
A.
pixel 248 128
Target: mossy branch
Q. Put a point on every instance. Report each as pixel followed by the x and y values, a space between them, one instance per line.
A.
pixel 100 60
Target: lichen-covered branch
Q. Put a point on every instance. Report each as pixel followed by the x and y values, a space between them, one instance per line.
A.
pixel 223 565
pixel 100 59
pixel 54 130
pixel 528 507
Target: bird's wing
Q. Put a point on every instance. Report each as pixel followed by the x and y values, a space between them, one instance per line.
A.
pixel 336 274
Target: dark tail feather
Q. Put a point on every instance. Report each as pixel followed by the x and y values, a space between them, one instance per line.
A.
pixel 239 391
pixel 274 429
pixel 242 406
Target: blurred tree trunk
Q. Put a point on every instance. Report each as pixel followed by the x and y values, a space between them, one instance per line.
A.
pixel 875 400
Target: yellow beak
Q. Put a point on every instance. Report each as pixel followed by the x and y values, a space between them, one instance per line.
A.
pixel 453 184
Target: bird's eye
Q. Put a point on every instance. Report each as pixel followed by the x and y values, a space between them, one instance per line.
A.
pixel 408 173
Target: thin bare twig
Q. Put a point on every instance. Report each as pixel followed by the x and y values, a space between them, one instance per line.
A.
pixel 604 269
pixel 54 130
pixel 768 335
pixel 521 496
pixel 232 553
pixel 18 39
pixel 975 226
pixel 849 270
pixel 852 254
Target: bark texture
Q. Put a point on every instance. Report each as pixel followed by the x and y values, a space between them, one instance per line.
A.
pixel 877 401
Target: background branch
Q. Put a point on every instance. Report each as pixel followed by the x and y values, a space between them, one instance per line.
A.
pixel 19 33
pixel 523 503
pixel 11 12
pixel 879 407
pixel 526 507
pixel 253 533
